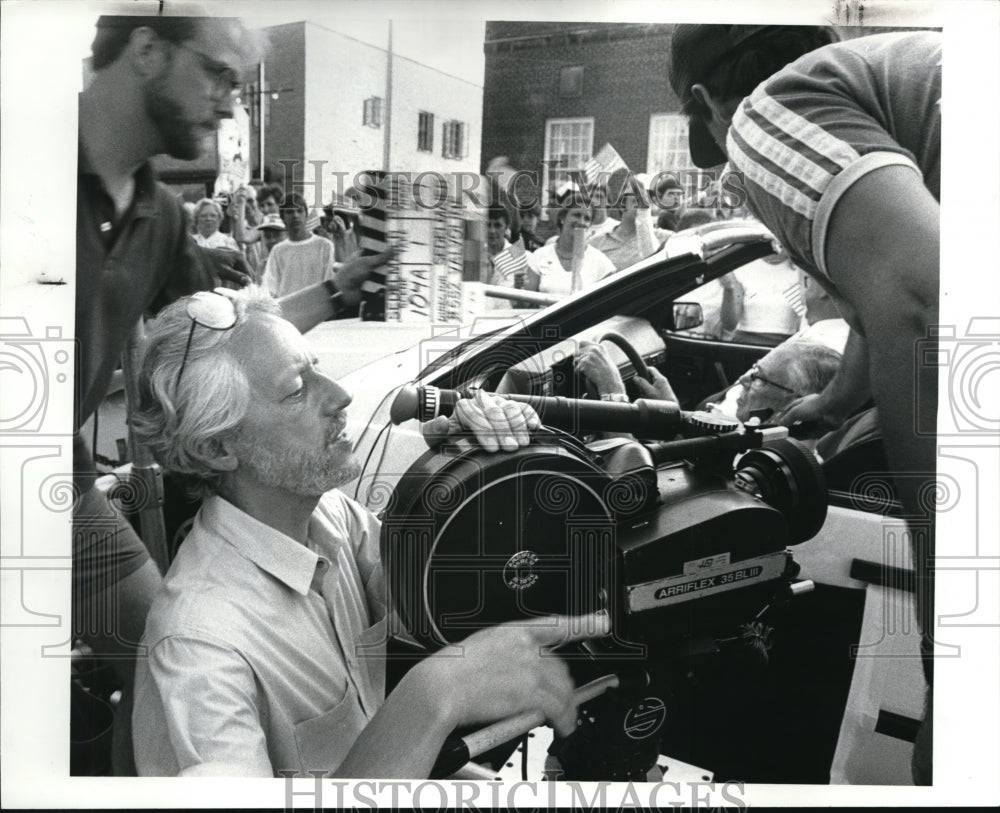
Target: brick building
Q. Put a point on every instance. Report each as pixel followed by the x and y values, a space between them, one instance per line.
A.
pixel 554 93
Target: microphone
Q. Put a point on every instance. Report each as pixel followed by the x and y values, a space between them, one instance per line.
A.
pixel 651 419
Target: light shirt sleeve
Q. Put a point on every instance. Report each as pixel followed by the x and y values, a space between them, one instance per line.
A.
pixel 602 265
pixel 271 279
pixel 329 259
pixel 210 713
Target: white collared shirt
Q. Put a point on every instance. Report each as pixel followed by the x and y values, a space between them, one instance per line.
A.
pixel 555 279
pixel 245 673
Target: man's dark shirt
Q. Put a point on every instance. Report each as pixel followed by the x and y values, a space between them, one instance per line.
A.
pixel 125 268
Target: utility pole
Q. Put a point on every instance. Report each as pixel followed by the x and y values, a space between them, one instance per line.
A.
pixel 260 115
pixel 387 142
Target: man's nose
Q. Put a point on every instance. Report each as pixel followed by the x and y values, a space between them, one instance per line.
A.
pixel 337 398
pixel 224 106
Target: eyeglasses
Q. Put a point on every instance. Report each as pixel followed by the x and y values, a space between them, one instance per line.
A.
pixel 210 310
pixel 754 375
pixel 225 81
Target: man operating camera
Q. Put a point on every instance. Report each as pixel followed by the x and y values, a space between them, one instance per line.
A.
pixel 265 647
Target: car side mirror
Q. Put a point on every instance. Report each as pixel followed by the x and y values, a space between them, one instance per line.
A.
pixel 688 315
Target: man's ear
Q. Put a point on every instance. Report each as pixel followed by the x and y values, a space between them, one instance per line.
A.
pixel 704 97
pixel 221 456
pixel 147 52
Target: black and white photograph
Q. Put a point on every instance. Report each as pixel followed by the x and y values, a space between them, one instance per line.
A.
pixel 490 406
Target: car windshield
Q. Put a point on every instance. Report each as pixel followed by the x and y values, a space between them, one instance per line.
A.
pixel 687 260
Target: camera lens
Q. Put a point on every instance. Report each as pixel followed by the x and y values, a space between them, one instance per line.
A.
pixel 785 474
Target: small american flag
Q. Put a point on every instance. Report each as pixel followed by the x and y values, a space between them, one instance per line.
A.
pixel 506 265
pixel 793 296
pixel 607 161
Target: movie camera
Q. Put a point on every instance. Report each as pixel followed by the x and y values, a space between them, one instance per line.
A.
pixel 680 532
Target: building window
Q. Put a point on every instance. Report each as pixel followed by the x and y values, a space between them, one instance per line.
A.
pixel 568 146
pixel 425 132
pixel 571 81
pixel 373 111
pixel 668 143
pixel 454 135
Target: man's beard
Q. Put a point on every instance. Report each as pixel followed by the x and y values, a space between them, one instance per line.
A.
pixel 181 138
pixel 309 472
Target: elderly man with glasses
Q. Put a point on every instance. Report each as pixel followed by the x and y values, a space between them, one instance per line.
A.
pixel 160 85
pixel 266 643
pixel 792 370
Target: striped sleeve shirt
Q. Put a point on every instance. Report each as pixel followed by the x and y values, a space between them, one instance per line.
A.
pixel 805 135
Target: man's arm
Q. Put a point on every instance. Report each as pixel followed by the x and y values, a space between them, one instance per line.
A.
pixel 493 674
pixel 308 307
pixel 732 301
pixel 883 248
pixel 241 231
pixel 847 392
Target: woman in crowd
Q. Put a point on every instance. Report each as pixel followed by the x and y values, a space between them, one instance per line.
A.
pixel 207 217
pixel 635 237
pixel 568 265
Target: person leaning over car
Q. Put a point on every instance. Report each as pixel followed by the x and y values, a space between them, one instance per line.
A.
pixel 839 148
pixel 160 84
pixel 266 642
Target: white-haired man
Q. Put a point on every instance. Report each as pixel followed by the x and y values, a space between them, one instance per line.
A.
pixel 793 369
pixel 266 642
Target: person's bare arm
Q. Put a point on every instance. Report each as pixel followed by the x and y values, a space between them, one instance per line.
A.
pixel 845 394
pixel 308 307
pixel 242 232
pixel 494 674
pixel 731 310
pixel 883 254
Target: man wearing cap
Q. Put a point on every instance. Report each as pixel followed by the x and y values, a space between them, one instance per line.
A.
pixel 341 215
pixel 839 148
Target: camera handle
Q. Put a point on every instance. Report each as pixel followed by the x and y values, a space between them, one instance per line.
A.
pixel 648 418
pixel 456 751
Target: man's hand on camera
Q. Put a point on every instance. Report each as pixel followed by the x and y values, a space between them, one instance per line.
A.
pixel 495 422
pixel 510 669
pixel 228 266
pixel 355 271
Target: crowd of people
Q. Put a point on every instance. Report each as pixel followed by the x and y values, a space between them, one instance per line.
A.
pixel 251 638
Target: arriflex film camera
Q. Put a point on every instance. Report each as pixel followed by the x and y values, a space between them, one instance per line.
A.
pixel 685 549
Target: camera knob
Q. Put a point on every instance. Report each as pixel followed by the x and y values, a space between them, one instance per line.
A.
pixel 711 423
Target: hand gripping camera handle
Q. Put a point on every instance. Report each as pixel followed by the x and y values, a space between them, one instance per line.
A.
pixel 456 751
pixel 650 419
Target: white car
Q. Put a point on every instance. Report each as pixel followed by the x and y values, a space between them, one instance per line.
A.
pixel 846 687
